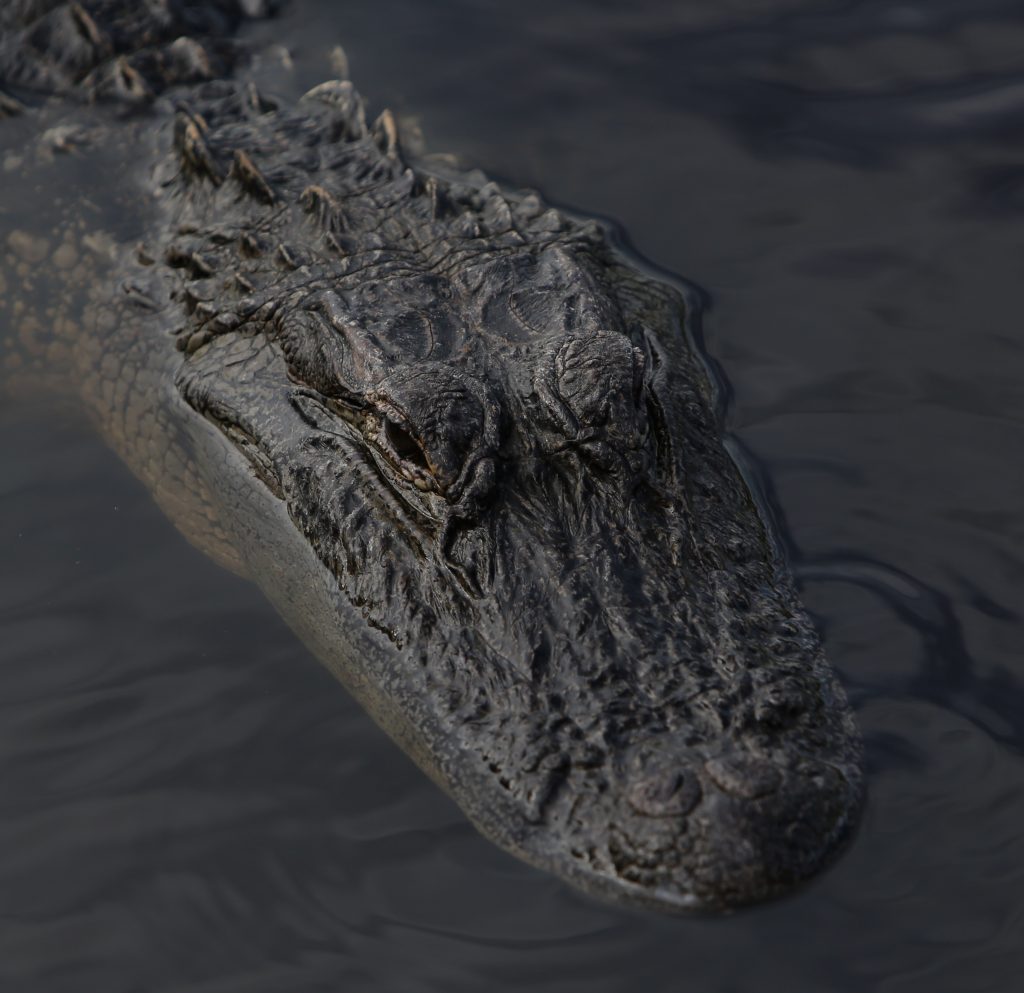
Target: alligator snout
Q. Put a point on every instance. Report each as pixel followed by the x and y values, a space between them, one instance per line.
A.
pixel 695 832
pixel 762 840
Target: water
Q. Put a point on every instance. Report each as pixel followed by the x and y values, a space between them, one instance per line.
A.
pixel 190 803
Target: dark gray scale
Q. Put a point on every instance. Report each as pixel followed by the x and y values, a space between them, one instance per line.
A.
pixel 468 450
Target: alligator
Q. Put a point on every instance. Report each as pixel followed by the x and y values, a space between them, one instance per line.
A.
pixel 467 447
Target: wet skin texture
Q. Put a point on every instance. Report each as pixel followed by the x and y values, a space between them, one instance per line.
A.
pixel 491 436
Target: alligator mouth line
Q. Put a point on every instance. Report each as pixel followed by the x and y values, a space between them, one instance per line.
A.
pixel 343 434
pixel 244 442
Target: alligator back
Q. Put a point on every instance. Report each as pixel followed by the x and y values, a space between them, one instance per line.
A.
pixel 115 49
pixel 72 74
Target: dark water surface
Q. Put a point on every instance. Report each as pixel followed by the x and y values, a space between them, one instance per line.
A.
pixel 188 802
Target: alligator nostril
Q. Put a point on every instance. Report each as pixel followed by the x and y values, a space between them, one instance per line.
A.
pixel 664 793
pixel 743 776
pixel 780 705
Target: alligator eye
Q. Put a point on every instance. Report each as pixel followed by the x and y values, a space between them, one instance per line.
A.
pixel 404 445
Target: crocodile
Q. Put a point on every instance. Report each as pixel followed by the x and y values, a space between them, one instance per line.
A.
pixel 467 447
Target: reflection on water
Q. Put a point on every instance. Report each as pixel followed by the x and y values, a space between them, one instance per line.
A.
pixel 190 803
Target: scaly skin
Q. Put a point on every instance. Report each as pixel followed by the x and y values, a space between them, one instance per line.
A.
pixel 465 447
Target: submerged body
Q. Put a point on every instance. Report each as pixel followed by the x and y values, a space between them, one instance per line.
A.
pixel 464 446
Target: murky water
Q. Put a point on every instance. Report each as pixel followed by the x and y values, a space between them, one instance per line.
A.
pixel 190 803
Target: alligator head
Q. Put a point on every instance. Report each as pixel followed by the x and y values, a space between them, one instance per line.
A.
pixel 496 437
